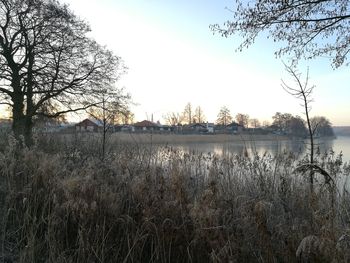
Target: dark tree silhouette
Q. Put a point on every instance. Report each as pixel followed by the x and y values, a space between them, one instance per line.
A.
pixel 46 59
pixel 322 126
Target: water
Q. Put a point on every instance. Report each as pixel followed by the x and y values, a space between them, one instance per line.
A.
pixel 342 144
pixel 299 147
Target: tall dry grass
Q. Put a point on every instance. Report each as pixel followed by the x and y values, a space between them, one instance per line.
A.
pixel 61 203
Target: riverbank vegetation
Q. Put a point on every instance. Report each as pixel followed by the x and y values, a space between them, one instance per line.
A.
pixel 62 203
pixel 83 199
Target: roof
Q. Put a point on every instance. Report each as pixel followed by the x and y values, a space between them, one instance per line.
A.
pixel 87 122
pixel 197 125
pixel 146 123
pixel 123 125
pixel 97 122
pixel 234 124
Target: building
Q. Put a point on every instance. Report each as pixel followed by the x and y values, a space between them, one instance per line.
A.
pixel 146 126
pixel 166 128
pixel 124 128
pixel 234 127
pixel 210 127
pixel 197 128
pixel 51 127
pixel 87 125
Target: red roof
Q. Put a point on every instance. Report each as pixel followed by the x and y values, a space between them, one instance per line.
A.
pixel 86 122
pixel 145 124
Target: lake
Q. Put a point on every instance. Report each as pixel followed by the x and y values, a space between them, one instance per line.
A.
pixel 340 144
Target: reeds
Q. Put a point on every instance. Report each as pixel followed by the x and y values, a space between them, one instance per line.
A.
pixel 60 202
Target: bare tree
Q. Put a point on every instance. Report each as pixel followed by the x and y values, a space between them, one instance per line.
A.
pixel 307 28
pixel 173 118
pixel 188 113
pixel 255 123
pixel 282 120
pixel 303 92
pixel 199 116
pixel 107 110
pixel 322 126
pixel 46 59
pixel 242 119
pixel 266 123
pixel 125 117
pixel 296 127
pixel 48 109
pixel 224 116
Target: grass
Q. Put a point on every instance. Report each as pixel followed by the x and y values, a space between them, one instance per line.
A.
pixel 61 203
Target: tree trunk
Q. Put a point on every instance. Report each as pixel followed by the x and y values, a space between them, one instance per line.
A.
pixel 104 129
pixel 311 137
pixel 17 97
pixel 18 118
pixel 28 132
pixel 30 105
pixel 22 123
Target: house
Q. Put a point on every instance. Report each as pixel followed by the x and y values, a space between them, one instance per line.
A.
pixel 146 126
pixel 178 128
pixel 50 127
pixel 166 128
pixel 210 127
pixel 87 125
pixel 199 127
pixel 275 129
pixel 195 128
pixel 234 127
pixel 219 128
pixel 124 128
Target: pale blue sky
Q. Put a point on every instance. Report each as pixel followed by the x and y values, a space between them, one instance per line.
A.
pixel 173 58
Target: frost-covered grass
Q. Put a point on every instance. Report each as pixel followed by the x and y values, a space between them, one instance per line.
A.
pixel 61 203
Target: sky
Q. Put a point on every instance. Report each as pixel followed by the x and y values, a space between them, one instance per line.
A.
pixel 173 58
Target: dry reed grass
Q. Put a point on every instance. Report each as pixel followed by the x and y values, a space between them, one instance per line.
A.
pixel 61 203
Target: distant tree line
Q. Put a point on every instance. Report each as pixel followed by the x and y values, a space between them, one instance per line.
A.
pixel 190 115
pixel 282 123
pixel 286 123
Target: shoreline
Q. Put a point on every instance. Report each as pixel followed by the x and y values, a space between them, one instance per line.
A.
pixel 194 138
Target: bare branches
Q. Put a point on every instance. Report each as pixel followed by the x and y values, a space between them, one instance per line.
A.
pixel 174 118
pixel 303 92
pixel 46 56
pixel 309 28
pixel 59 113
pixel 224 116
pixel 316 169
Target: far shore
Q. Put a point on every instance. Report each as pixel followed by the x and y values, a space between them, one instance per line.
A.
pixel 194 138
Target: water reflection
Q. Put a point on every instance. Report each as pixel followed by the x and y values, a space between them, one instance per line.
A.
pixel 298 147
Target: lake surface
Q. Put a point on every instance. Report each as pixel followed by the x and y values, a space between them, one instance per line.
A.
pixel 299 147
